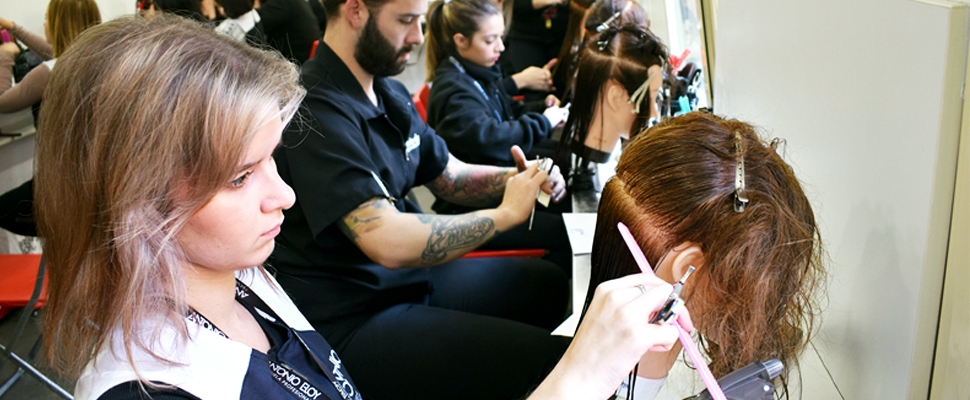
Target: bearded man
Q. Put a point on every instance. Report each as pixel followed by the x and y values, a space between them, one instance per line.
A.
pixel 380 280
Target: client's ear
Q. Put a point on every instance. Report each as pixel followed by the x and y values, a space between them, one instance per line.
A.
pixel 686 254
pixel 616 96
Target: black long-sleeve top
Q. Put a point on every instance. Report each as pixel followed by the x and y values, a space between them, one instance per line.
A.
pixel 477 129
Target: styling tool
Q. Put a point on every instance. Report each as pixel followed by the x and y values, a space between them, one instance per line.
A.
pixel 668 312
pixel 685 339
pixel 751 382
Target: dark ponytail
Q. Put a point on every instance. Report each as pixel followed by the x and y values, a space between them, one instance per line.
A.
pixel 448 17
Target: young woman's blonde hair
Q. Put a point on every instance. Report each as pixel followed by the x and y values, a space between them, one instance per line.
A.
pixel 144 120
pixel 66 19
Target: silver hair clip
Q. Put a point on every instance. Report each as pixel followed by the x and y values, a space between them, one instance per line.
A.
pixel 641 93
pixel 740 195
pixel 606 24
pixel 602 43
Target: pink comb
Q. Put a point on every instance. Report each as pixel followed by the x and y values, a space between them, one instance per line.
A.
pixel 695 356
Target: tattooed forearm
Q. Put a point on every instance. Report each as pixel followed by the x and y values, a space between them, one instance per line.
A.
pixel 472 185
pixel 456 233
pixel 364 218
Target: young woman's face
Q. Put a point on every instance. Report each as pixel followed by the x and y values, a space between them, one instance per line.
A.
pixel 486 45
pixel 237 227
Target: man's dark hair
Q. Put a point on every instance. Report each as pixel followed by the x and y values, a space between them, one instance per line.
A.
pixel 191 9
pixel 235 8
pixel 332 6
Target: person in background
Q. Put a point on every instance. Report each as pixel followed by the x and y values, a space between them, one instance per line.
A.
pixel 155 247
pixel 242 22
pixel 468 105
pixel 535 36
pixel 191 9
pixel 480 122
pixel 65 20
pixel 290 26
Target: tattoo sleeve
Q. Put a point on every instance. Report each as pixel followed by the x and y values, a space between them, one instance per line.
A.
pixel 364 218
pixel 455 233
pixel 471 185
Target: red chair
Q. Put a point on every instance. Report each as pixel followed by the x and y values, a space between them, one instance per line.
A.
pixel 18 276
pixel 420 100
pixel 529 253
pixel 313 49
pixel 22 284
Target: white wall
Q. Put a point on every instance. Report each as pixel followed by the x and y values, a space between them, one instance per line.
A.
pixel 867 94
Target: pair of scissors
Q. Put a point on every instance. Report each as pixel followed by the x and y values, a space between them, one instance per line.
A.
pixel 668 311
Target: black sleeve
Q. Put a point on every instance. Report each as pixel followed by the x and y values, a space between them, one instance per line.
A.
pixel 465 120
pixel 273 14
pixel 330 165
pixel 537 106
pixel 510 87
pixel 132 390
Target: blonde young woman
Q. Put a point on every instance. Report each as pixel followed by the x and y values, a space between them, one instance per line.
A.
pixel 159 200
pixel 65 19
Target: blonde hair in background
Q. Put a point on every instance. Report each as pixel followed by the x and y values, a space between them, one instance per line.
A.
pixel 145 120
pixel 66 19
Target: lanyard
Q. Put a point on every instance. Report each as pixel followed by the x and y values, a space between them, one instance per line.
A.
pixel 481 90
pixel 286 376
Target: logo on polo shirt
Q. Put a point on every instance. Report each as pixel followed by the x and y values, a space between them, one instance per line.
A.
pixel 413 142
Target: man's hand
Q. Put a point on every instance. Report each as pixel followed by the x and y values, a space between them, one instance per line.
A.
pixel 535 78
pixel 555 186
pixel 6 23
pixel 521 190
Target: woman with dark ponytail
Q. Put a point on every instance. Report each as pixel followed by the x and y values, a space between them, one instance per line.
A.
pixel 471 109
pixel 470 106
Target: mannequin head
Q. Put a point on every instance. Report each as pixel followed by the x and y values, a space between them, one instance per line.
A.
pixel 614 65
pixel 758 270
pixel 587 18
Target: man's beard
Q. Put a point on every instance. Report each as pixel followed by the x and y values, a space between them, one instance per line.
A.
pixel 375 54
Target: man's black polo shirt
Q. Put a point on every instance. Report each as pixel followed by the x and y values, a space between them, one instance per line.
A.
pixel 330 158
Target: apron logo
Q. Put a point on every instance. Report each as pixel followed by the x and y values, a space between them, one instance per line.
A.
pixel 293 382
pixel 345 388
